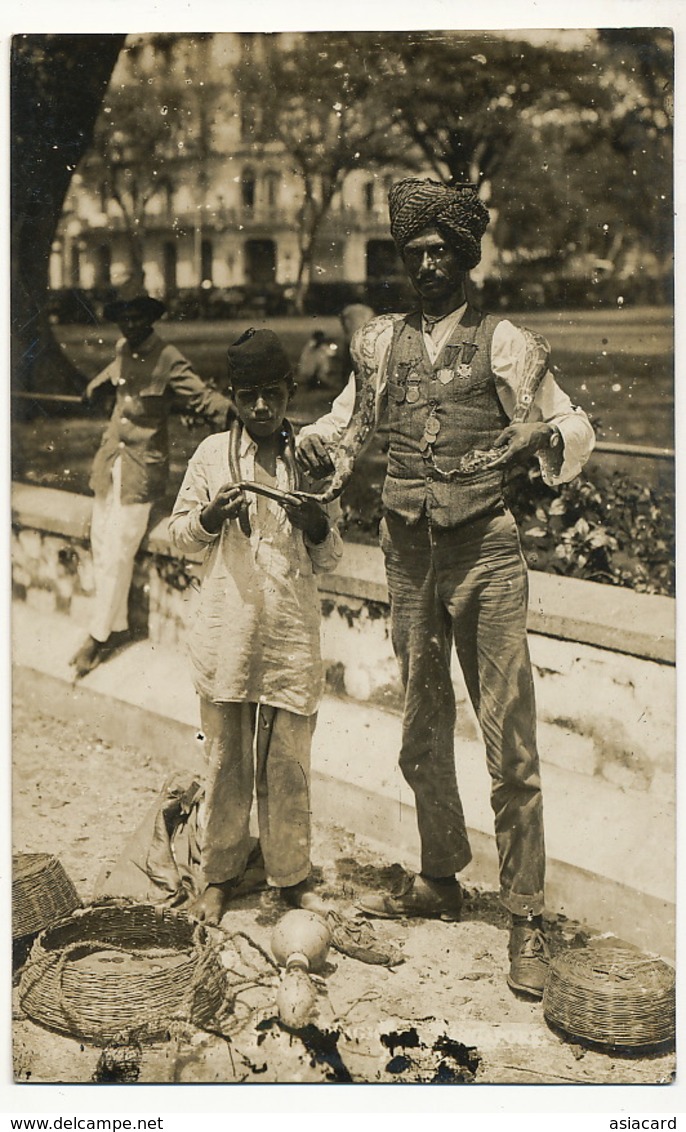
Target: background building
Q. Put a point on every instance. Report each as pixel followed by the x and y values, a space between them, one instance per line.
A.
pixel 212 203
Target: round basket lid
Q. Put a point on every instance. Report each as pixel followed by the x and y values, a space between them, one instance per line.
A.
pixel 42 893
pixel 611 996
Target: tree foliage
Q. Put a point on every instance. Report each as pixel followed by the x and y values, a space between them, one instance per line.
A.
pixel 319 99
pixel 461 97
pixel 570 145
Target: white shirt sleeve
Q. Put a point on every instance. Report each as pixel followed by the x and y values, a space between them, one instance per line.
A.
pixel 325 556
pixel 186 531
pixel 330 428
pixel 333 424
pixel 551 404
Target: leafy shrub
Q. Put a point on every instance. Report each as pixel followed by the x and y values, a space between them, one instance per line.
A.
pixel 611 529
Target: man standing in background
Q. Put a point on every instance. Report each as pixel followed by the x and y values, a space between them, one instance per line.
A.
pixel 131 468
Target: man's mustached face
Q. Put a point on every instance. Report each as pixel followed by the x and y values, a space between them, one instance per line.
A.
pixel 434 267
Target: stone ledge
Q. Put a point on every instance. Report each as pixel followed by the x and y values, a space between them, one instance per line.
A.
pixel 610 617
pixel 51 510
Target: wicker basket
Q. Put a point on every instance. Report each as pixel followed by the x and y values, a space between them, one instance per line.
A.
pixel 122 972
pixel 611 997
pixel 42 893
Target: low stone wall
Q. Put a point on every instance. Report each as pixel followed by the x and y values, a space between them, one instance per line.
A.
pixel 605 683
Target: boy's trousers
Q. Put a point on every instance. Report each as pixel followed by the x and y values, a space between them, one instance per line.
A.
pixel 255 748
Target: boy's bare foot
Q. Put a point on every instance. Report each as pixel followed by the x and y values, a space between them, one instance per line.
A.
pixel 210 906
pixel 305 895
pixel 87 657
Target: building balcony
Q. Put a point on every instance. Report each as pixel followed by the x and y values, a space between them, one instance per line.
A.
pixel 264 218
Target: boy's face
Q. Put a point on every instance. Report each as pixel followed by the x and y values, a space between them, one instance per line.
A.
pixel 263 408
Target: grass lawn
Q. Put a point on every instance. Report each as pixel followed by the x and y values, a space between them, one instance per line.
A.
pixel 617 364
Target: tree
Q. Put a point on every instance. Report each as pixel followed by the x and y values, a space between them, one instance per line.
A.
pixel 57 85
pixel 571 147
pixel 595 178
pixel 149 121
pixel 461 96
pixel 640 70
pixel 319 99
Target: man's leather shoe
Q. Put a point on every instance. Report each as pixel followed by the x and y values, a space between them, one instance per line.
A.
pixel 415 896
pixel 529 960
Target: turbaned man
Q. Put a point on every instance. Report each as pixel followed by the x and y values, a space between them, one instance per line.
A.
pixel 465 396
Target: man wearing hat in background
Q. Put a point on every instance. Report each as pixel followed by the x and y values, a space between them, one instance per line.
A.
pixel 131 467
pixel 447 378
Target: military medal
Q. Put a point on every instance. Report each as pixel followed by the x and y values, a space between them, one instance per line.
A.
pixel 412 394
pixel 445 376
pixel 432 426
pixel 464 369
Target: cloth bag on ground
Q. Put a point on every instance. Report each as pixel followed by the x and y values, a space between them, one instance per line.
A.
pixel 160 862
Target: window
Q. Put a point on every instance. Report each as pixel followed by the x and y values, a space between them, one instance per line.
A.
pixel 103 266
pixel 260 261
pixel 272 181
pixel 166 192
pixel 247 120
pixel 169 255
pixel 206 260
pixel 383 260
pixel 75 266
pixel 248 188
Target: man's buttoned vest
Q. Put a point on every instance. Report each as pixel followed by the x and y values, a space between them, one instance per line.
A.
pixel 437 413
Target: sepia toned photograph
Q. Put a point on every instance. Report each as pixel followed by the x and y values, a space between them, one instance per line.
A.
pixel 343 557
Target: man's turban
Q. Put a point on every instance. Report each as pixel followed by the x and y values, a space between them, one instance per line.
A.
pixel 416 204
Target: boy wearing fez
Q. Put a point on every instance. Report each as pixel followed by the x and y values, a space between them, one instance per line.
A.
pixel 254 638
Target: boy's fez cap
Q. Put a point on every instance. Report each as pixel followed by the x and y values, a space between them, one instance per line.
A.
pixel 132 297
pixel 256 358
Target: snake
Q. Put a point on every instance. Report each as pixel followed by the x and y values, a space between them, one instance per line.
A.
pixel 363 420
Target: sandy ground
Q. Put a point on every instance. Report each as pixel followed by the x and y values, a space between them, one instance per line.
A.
pixel 444 1015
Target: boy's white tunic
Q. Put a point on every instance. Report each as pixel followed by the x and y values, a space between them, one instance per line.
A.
pixel 254 627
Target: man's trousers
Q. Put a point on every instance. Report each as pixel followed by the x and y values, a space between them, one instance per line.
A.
pixel 117 530
pixel 468 585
